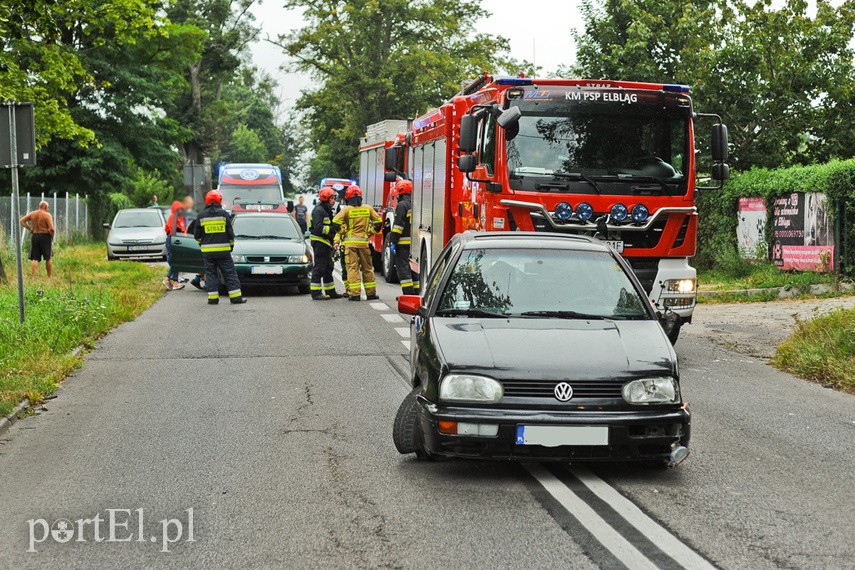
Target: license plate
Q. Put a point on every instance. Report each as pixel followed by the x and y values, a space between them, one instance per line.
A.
pixel 266 270
pixel 617 245
pixel 138 247
pixel 553 436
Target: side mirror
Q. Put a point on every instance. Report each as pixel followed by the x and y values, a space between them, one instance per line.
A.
pixel 106 226
pixel 468 133
pixel 409 304
pixel 511 116
pixel 719 143
pixel 467 163
pixel 720 171
pixel 391 158
pixel 389 176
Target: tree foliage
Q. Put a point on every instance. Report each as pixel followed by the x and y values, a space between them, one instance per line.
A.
pixel 382 59
pixel 782 79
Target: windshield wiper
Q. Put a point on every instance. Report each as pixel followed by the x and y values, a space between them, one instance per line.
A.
pixel 246 236
pixel 271 237
pixel 640 178
pixel 578 176
pixel 562 315
pixel 469 313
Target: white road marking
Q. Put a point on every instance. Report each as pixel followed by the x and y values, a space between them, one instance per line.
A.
pixel 403 331
pixel 391 318
pixel 406 344
pixel 380 306
pixel 611 539
pixel 664 540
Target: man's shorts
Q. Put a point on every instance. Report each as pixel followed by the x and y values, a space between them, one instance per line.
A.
pixel 40 247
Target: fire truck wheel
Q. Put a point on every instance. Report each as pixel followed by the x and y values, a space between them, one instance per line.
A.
pixel 675 332
pixel 377 260
pixel 389 271
pixel 406 432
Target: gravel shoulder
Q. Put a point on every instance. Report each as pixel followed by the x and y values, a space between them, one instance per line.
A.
pixel 756 329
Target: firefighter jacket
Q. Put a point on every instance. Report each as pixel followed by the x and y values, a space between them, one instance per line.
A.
pixel 401 231
pixel 358 223
pixel 213 230
pixel 323 229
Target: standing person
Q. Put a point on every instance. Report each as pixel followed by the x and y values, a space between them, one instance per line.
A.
pixel 190 220
pixel 300 215
pixel 216 237
pixel 171 281
pixel 154 203
pixel 340 248
pixel 358 223
pixel 40 224
pixel 323 230
pixel 401 238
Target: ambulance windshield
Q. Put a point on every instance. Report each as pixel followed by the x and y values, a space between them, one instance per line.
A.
pixel 565 140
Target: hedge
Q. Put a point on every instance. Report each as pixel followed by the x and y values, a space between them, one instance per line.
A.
pixel 717 209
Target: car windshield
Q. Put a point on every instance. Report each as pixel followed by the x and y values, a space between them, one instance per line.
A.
pixel 252 193
pixel 265 227
pixel 540 283
pixel 566 141
pixel 145 219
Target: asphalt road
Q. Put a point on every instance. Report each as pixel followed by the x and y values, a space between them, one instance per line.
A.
pixel 272 422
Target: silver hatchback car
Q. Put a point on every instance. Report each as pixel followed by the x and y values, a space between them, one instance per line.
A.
pixel 137 233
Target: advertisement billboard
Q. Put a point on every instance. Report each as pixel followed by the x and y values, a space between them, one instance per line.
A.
pixel 802 233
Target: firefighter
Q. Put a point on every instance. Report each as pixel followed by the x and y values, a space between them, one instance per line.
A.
pixel 339 251
pixel 214 234
pixel 358 223
pixel 401 238
pixel 323 231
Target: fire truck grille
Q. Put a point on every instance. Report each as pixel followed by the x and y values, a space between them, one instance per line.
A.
pixel 645 269
pixel 545 389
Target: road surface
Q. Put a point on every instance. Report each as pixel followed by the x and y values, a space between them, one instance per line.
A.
pixel 272 422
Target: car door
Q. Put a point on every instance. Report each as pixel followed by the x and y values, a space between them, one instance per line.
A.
pixel 186 253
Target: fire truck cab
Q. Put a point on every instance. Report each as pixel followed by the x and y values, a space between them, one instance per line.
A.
pixel 609 159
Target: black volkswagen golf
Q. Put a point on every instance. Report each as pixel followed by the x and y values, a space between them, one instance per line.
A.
pixel 533 346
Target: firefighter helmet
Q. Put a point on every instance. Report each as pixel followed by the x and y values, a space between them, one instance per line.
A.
pixel 404 187
pixel 352 190
pixel 326 194
pixel 214 196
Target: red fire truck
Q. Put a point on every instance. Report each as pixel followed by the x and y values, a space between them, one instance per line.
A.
pixel 377 186
pixel 613 159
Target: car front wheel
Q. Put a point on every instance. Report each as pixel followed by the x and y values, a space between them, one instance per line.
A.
pixel 406 432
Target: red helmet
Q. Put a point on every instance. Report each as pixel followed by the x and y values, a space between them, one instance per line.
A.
pixel 404 187
pixel 214 196
pixel 352 190
pixel 326 194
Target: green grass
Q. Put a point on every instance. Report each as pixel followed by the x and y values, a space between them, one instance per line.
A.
pixel 822 350
pixel 86 297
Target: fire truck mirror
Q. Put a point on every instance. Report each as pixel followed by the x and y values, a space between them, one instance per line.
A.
pixel 468 133
pixel 509 117
pixel 719 142
pixel 391 158
pixel 466 163
pixel 720 171
pixel 389 176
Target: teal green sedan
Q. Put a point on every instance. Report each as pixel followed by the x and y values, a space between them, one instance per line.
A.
pixel 269 250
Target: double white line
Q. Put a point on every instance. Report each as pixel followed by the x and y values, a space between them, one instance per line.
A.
pixel 612 540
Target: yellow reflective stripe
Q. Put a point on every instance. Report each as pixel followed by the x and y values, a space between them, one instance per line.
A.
pixel 314 287
pixel 233 294
pixel 406 282
pixel 320 239
pixel 329 287
pixel 404 241
pixel 215 248
pixel 416 285
pixel 370 284
pixel 212 219
pixel 360 213
pixel 356 240
pixel 398 230
pixel 213 295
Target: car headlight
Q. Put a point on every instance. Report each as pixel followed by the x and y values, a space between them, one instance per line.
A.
pixel 662 390
pixel 238 258
pixel 470 388
pixel 298 258
pixel 680 285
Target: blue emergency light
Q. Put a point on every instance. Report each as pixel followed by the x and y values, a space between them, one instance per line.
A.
pixel 619 212
pixel 514 81
pixel 584 211
pixel 563 211
pixel 676 88
pixel 639 213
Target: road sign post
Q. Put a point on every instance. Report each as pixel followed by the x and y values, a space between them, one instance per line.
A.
pixel 17 148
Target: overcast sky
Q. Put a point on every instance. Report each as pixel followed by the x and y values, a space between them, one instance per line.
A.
pixel 542 35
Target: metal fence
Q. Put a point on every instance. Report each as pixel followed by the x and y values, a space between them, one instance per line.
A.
pixel 70 214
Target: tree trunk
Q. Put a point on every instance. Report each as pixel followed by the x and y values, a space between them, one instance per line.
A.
pixel 3 278
pixel 196 86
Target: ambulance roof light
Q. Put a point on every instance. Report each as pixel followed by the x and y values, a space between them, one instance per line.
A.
pixel 676 88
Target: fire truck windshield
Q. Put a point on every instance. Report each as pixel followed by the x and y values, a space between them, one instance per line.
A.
pixel 252 193
pixel 618 146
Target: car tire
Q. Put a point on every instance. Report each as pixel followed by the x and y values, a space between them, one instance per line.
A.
pixel 390 272
pixel 377 259
pixel 304 288
pixel 406 432
pixel 111 257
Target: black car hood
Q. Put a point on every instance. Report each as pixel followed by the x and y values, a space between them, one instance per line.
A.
pixel 554 349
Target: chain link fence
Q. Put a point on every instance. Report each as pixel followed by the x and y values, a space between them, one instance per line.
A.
pixel 70 214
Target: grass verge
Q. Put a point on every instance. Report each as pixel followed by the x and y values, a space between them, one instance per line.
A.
pixel 823 350
pixel 86 297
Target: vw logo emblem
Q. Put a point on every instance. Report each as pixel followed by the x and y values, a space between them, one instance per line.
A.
pixel 249 174
pixel 563 391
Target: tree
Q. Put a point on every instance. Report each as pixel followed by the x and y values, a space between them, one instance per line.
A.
pixel 780 78
pixel 382 59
